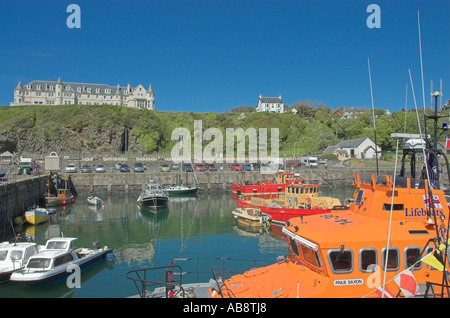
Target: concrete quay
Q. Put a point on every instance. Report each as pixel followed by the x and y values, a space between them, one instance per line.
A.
pixel 124 183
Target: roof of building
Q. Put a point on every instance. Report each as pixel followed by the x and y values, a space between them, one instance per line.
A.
pixel 351 143
pixel 270 100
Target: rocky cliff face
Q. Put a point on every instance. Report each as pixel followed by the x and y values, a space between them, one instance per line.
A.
pixel 68 140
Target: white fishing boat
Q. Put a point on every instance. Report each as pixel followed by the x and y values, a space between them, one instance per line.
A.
pixel 94 200
pixel 14 255
pixel 57 261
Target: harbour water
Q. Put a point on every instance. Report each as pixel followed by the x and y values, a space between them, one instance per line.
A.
pixel 200 226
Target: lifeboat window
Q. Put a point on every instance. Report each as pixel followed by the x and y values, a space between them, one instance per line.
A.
pixel 3 255
pixel 393 261
pixel 412 257
pixel 293 245
pixel 341 261
pixel 368 260
pixel 310 256
pixel 395 207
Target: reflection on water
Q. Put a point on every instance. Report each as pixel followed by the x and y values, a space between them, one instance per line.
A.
pixel 199 226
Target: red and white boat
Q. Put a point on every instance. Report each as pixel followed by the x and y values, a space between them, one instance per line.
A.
pixel 299 200
pixel 266 189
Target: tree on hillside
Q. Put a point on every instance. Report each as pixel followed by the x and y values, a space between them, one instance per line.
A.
pixel 243 109
pixel 307 108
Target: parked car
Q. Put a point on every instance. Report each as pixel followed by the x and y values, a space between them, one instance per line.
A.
pixel 247 167
pixel 117 166
pixel 164 168
pixel 212 167
pixel 174 166
pixel 138 167
pixel 256 166
pixel 200 167
pixel 236 167
pixel 86 169
pixel 71 168
pixel 124 168
pixel 100 168
pixel 188 167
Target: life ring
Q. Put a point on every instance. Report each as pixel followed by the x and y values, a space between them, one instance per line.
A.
pixel 308 200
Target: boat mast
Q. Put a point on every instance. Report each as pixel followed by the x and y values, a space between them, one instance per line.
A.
pixel 373 116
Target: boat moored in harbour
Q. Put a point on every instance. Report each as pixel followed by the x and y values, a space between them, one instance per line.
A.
pixel 266 189
pixel 91 200
pixel 252 217
pixel 14 255
pixel 298 200
pixel 57 259
pixel 37 215
pixel 153 196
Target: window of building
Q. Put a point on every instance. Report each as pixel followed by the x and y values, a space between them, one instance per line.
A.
pixel 50 88
pixel 141 103
pixel 38 87
pixel 88 89
pixel 78 89
pixel 97 90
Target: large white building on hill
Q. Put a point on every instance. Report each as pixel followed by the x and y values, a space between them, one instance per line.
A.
pixel 68 93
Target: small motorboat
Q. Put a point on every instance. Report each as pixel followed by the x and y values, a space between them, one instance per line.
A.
pixel 57 260
pixel 252 217
pixel 14 255
pixel 153 196
pixel 94 201
pixel 37 215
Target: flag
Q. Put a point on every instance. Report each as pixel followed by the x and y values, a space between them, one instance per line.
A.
pixel 387 292
pixel 431 260
pixel 448 142
pixel 436 201
pixel 407 283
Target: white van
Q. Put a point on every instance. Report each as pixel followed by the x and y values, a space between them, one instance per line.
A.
pixel 309 162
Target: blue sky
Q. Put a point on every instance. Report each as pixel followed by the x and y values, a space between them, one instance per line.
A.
pixel 213 55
